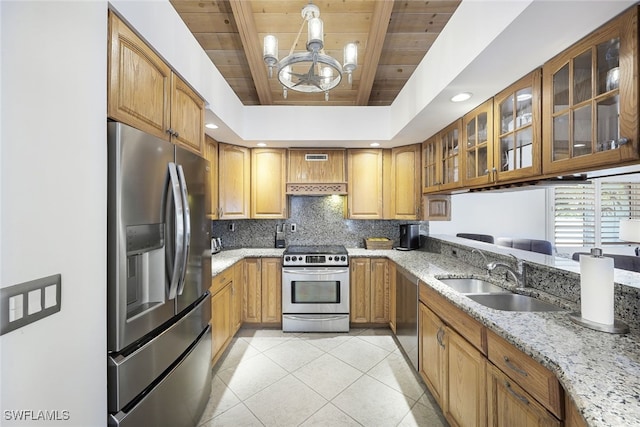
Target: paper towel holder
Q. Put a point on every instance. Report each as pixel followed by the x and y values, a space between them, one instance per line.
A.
pixel 618 327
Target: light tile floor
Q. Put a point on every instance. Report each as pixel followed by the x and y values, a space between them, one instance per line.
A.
pixel 270 378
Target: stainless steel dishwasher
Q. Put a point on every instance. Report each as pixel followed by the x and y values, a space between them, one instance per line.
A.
pixel 407 313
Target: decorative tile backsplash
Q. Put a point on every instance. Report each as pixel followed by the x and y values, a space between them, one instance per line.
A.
pixel 319 220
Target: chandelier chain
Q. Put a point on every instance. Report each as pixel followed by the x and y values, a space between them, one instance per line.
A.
pixel 295 42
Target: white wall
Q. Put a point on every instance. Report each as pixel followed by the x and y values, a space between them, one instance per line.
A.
pixel 53 198
pixel 519 214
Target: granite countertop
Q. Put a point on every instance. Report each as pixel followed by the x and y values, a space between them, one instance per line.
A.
pixel 600 371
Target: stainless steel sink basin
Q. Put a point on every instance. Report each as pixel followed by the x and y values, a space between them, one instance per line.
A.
pixel 513 302
pixel 468 285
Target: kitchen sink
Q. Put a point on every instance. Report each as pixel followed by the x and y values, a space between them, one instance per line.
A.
pixel 513 302
pixel 468 285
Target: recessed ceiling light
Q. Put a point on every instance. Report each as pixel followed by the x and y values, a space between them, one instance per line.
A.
pixel 374 144
pixel 461 97
pixel 261 144
pixel 211 126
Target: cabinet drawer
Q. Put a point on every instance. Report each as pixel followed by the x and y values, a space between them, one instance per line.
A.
pixel 221 279
pixel 537 380
pixel 465 325
pixel 511 405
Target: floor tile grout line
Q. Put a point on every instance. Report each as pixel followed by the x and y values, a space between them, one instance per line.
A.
pixel 323 351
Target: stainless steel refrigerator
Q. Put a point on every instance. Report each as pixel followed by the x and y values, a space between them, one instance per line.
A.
pixel 159 270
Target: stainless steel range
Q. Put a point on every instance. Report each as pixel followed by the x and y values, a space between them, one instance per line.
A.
pixel 315 289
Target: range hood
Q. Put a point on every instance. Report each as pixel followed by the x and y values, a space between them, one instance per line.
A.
pixel 316 172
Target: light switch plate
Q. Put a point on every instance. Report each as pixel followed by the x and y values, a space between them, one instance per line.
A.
pixel 29 301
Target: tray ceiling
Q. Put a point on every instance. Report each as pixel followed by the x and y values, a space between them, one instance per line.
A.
pixel 392 39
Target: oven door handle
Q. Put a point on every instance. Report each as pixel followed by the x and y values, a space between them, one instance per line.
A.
pixel 316 272
pixel 315 318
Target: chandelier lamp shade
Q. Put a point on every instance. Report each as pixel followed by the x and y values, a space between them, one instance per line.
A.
pixel 312 70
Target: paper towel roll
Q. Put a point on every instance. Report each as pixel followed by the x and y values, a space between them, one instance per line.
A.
pixel 596 289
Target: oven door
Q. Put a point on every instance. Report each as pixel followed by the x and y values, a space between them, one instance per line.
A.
pixel 310 290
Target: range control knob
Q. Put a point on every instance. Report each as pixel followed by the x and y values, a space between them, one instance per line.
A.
pixel 343 258
pixel 287 258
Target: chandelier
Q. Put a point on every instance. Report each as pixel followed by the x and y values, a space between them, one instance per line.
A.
pixel 311 71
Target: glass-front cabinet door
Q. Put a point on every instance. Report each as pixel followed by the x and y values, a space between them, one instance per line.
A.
pixel 431 165
pixel 477 142
pixel 450 155
pixel 441 159
pixel 517 150
pixel 590 111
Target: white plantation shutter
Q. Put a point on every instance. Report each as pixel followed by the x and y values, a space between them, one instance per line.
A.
pixel 588 214
pixel 618 200
pixel 574 213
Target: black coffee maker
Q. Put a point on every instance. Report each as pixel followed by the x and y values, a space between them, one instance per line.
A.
pixel 409 237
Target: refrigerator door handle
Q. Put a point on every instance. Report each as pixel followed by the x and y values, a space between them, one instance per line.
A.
pixel 187 227
pixel 175 266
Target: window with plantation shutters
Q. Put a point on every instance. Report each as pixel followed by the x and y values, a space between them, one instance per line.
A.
pixel 588 214
pixel 574 215
pixel 618 200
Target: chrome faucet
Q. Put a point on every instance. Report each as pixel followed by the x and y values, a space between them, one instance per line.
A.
pixel 518 273
pixel 484 257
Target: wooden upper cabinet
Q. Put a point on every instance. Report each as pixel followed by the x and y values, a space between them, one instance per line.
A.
pixel 441 159
pixel 211 154
pixel 144 92
pixel 405 181
pixel 477 146
pixel 139 82
pixel 517 127
pixel 234 180
pixel 364 182
pixel 590 100
pixel 268 175
pixel 313 166
pixel 187 116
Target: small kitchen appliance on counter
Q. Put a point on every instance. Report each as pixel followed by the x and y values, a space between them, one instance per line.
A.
pixel 216 245
pixel 315 289
pixel 409 237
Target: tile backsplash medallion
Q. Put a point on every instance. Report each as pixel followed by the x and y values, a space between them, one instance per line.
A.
pixel 319 220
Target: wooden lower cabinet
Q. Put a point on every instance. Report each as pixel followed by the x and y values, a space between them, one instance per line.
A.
pixel 369 290
pixel 221 321
pixel 252 291
pixel 572 415
pixel 237 296
pixel 271 279
pixel 392 296
pixel 510 405
pixel 465 401
pixel 262 300
pixel 480 379
pixel 431 346
pixel 453 370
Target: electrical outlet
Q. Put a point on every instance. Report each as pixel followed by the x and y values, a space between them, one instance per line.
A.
pixel 294 228
pixel 454 253
pixel 232 227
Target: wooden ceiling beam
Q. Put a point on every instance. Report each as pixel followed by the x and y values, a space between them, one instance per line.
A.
pixel 249 35
pixel 377 32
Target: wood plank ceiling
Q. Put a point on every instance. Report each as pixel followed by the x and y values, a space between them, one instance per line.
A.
pixel 392 39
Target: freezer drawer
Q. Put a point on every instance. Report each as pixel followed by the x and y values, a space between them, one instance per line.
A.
pixel 130 373
pixel 179 398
